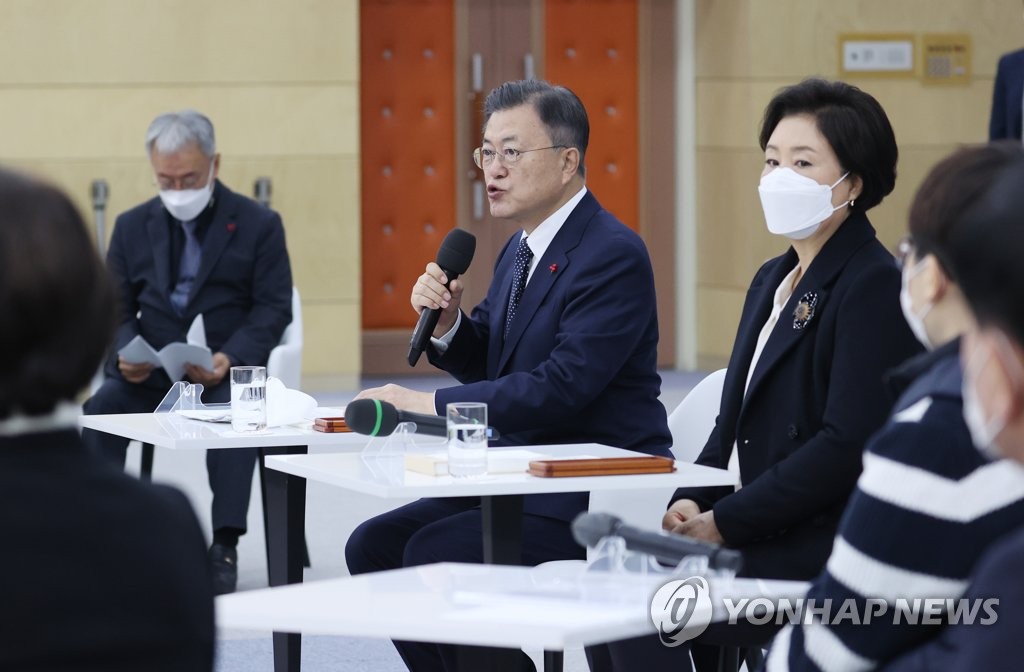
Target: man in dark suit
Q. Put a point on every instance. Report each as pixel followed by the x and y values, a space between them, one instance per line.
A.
pixel 1007 118
pixel 562 349
pixel 98 571
pixel 197 249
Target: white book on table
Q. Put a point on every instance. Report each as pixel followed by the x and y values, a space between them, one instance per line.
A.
pixel 498 462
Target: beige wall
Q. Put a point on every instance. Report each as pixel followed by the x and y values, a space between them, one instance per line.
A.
pixel 747 49
pixel 82 80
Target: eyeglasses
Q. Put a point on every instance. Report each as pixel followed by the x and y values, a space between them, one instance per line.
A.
pixel 189 181
pixel 904 250
pixel 483 156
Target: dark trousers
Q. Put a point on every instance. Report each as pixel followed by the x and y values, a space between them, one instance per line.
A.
pixel 445 530
pixel 229 471
pixel 649 654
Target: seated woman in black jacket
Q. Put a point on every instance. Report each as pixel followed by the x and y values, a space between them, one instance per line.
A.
pixel 803 390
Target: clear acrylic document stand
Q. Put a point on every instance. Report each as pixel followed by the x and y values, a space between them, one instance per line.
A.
pixel 188 397
pixel 384 456
pixel 181 405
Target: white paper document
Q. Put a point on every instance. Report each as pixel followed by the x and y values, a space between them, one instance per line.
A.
pixel 174 356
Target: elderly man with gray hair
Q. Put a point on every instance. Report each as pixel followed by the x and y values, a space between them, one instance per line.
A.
pixel 196 248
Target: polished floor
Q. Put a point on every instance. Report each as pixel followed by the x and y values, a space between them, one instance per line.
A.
pixel 331 515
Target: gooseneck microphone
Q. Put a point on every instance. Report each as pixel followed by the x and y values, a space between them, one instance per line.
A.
pixel 454 258
pixel 590 528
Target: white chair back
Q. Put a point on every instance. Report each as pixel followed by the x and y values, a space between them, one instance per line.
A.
pixel 285 361
pixel 693 419
pixel 690 423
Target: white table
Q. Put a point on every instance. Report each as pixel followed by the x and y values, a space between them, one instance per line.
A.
pixel 552 607
pixel 501 501
pixel 501 494
pixel 170 430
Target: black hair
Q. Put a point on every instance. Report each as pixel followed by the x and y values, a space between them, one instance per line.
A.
pixel 949 190
pixel 853 123
pixel 56 298
pixel 986 251
pixel 559 109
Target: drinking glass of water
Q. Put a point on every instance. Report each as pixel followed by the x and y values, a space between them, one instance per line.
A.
pixel 467 439
pixel 248 398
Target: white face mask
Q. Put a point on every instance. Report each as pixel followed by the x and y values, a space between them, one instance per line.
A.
pixel 916 322
pixel 186 204
pixel 794 205
pixel 984 432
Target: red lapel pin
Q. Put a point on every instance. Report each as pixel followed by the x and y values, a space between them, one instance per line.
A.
pixel 231 227
pixel 553 267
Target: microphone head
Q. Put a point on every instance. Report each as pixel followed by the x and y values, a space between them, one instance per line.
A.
pixel 371 417
pixel 456 251
pixel 590 528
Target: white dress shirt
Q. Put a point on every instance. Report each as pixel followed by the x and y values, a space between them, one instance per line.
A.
pixel 782 294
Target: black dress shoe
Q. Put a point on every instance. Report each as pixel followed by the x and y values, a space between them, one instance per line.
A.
pixel 224 563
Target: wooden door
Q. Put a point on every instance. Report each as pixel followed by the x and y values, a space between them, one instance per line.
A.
pixel 427 67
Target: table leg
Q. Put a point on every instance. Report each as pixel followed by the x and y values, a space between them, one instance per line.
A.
pixel 285 513
pixel 477 658
pixel 266 508
pixel 553 661
pixel 502 529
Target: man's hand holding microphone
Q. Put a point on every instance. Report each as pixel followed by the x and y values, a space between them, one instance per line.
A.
pixel 436 297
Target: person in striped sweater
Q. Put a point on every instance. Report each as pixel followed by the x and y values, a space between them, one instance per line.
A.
pixel 988 263
pixel 928 503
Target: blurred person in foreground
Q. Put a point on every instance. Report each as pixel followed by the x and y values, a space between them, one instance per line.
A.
pixel 985 257
pixel 98 570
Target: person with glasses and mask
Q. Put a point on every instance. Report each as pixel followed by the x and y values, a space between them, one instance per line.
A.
pixel 197 248
pixel 928 503
pixel 984 254
pixel 98 571
pixel 804 386
pixel 563 349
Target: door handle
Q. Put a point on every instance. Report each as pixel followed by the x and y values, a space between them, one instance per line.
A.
pixel 528 67
pixel 476 124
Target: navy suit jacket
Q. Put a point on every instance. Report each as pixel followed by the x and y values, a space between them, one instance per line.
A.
pixel 243 288
pixel 1008 98
pixel 580 361
pixel 815 397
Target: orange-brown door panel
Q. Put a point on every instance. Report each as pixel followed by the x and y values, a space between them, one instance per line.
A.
pixel 591 48
pixel 407 140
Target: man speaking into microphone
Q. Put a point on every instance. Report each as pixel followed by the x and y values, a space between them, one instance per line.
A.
pixel 563 349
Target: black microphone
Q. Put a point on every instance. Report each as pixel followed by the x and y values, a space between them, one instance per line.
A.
pixel 454 258
pixel 590 528
pixel 379 418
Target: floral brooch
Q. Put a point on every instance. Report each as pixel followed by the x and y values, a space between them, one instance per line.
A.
pixel 804 311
